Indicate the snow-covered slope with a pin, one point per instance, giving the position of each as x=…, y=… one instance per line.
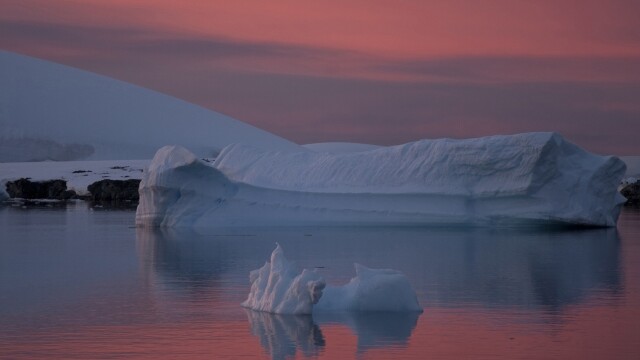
x=340, y=147
x=53, y=112
x=536, y=178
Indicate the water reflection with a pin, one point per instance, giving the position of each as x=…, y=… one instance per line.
x=283, y=335
x=375, y=329
x=187, y=260
x=541, y=272
x=447, y=267
x=75, y=284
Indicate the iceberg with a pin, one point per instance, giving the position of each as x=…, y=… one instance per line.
x=533, y=179
x=277, y=288
x=379, y=290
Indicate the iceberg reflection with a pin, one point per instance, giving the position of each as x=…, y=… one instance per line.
x=375, y=329
x=541, y=272
x=447, y=267
x=282, y=336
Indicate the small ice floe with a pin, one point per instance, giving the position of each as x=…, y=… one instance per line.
x=278, y=288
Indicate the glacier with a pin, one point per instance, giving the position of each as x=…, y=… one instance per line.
x=532, y=179
x=54, y=112
x=278, y=288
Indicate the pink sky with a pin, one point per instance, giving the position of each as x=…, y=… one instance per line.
x=367, y=71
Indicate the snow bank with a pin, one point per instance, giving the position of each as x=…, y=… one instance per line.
x=526, y=179
x=627, y=181
x=54, y=112
x=278, y=288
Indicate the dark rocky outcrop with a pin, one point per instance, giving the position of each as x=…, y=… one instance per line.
x=114, y=191
x=632, y=193
x=50, y=189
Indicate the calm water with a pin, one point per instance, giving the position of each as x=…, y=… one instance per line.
x=79, y=284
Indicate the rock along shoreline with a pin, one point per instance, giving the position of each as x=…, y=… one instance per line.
x=124, y=193
x=106, y=192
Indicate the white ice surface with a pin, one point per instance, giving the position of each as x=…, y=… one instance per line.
x=54, y=112
x=370, y=290
x=530, y=179
x=340, y=147
x=92, y=171
x=490, y=166
x=278, y=288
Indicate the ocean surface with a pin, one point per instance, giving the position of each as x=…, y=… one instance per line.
x=81, y=283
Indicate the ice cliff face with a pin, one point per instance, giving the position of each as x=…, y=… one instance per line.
x=526, y=179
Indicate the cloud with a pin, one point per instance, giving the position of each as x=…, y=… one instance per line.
x=34, y=33
x=312, y=94
x=314, y=109
x=164, y=46
x=518, y=69
x=205, y=51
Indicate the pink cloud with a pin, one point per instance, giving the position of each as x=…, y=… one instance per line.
x=363, y=70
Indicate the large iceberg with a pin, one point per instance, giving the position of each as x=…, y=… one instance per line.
x=278, y=288
x=525, y=179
